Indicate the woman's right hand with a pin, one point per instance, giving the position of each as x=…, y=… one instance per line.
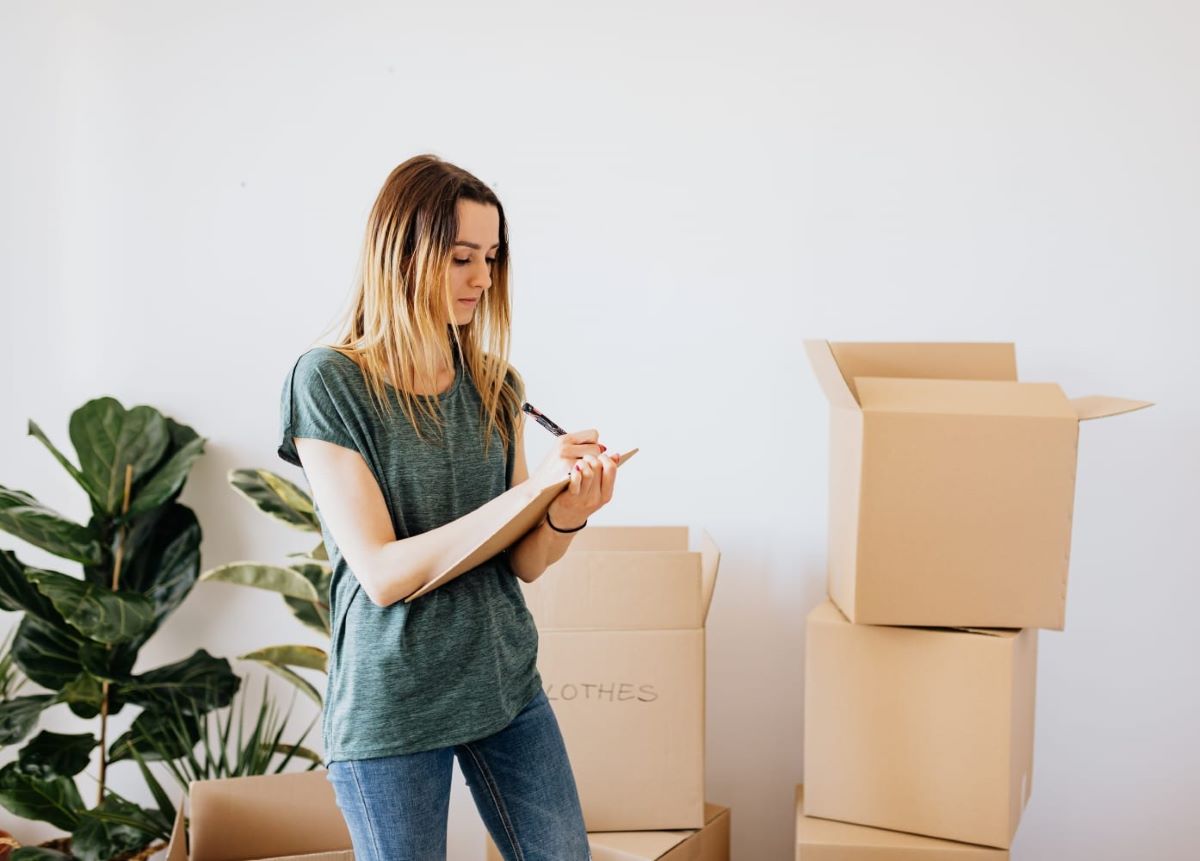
x=565, y=453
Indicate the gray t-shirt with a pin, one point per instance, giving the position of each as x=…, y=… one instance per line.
x=459, y=662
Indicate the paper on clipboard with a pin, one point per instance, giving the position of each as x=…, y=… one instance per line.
x=520, y=523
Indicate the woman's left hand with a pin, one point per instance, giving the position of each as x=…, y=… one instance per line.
x=591, y=488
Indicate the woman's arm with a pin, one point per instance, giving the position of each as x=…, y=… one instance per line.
x=542, y=546
x=391, y=569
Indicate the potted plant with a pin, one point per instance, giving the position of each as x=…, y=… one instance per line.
x=79, y=636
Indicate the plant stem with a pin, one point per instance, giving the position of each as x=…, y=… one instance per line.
x=116, y=582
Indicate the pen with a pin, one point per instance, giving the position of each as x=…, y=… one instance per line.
x=543, y=420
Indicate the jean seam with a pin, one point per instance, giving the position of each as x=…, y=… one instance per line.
x=365, y=812
x=501, y=811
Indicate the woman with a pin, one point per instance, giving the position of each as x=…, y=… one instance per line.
x=400, y=494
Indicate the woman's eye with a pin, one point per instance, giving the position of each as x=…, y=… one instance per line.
x=463, y=261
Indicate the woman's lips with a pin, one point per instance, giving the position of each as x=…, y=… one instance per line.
x=468, y=301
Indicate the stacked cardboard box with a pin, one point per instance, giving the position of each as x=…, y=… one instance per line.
x=950, y=505
x=622, y=656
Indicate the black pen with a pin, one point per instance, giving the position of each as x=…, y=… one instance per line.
x=543, y=420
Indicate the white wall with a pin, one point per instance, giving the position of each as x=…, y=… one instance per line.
x=692, y=188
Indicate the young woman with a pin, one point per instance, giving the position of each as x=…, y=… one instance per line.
x=409, y=432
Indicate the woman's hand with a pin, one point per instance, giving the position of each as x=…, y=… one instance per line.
x=591, y=487
x=561, y=460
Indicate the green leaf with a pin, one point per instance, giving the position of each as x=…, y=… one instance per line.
x=37, y=853
x=196, y=684
x=313, y=614
x=308, y=657
x=50, y=657
x=19, y=716
x=273, y=578
x=18, y=593
x=35, y=431
x=113, y=828
x=162, y=561
x=165, y=806
x=169, y=479
x=83, y=694
x=97, y=613
x=157, y=735
x=52, y=754
x=54, y=800
x=303, y=684
x=107, y=437
x=276, y=497
x=26, y=518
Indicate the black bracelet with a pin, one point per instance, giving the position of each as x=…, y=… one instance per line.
x=564, y=531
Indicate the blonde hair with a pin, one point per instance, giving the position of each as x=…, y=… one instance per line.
x=401, y=299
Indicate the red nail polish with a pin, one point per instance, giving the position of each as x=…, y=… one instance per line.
x=577, y=469
x=603, y=448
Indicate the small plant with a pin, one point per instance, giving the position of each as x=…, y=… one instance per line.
x=304, y=584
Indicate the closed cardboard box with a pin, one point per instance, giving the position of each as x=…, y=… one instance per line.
x=621, y=652
x=951, y=486
x=271, y=817
x=828, y=840
x=928, y=731
x=710, y=843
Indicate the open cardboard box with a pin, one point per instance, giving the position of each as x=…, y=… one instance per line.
x=710, y=843
x=271, y=817
x=925, y=730
x=621, y=653
x=951, y=485
x=828, y=840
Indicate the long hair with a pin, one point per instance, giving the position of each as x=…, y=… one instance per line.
x=401, y=299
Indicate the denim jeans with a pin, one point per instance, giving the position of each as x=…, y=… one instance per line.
x=396, y=807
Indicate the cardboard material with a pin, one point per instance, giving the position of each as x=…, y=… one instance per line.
x=828, y=840
x=272, y=817
x=621, y=652
x=710, y=843
x=923, y=730
x=951, y=485
x=485, y=546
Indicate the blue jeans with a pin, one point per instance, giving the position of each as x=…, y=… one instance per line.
x=396, y=807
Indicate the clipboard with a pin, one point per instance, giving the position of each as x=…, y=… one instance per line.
x=510, y=532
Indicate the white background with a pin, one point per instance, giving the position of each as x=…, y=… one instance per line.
x=692, y=188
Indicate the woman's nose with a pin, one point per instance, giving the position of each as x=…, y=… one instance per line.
x=481, y=276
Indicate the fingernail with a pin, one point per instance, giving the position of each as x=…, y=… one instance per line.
x=577, y=468
x=603, y=448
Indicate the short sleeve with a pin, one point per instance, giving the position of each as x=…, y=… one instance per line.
x=310, y=406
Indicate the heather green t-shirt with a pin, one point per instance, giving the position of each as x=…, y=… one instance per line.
x=459, y=662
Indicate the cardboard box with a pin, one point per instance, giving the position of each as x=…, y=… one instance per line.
x=710, y=843
x=621, y=652
x=272, y=817
x=928, y=731
x=828, y=840
x=951, y=485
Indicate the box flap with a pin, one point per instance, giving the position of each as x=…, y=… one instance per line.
x=266, y=816
x=812, y=831
x=631, y=538
x=1102, y=406
x=835, y=385
x=828, y=613
x=710, y=561
x=934, y=360
x=485, y=546
x=177, y=848
x=963, y=397
x=634, y=845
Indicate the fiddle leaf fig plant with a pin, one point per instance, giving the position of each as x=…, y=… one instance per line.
x=79, y=636
x=304, y=584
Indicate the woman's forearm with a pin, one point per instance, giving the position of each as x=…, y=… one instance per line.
x=405, y=565
x=538, y=549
